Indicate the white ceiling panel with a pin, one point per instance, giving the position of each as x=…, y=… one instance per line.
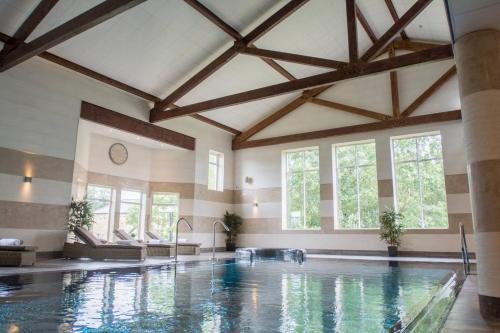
x=310, y=117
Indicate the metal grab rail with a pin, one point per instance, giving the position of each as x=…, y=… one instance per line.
x=465, y=251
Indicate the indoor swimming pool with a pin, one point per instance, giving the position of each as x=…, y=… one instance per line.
x=234, y=295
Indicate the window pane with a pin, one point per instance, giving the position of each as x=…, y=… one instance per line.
x=405, y=150
x=295, y=161
x=346, y=156
x=433, y=198
x=212, y=177
x=421, y=193
x=408, y=193
x=366, y=154
x=357, y=189
x=100, y=227
x=311, y=159
x=131, y=196
x=98, y=192
x=212, y=158
x=130, y=216
x=295, y=200
x=368, y=196
x=429, y=147
x=163, y=220
x=313, y=219
x=164, y=198
x=347, y=198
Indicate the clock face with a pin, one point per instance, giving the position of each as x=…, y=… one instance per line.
x=118, y=153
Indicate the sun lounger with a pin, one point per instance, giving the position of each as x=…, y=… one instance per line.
x=153, y=249
x=183, y=248
x=95, y=249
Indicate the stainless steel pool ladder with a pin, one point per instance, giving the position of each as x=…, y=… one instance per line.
x=213, y=244
x=177, y=234
x=465, y=251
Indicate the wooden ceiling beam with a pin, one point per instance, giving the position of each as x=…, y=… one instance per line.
x=27, y=27
x=112, y=82
x=352, y=35
x=208, y=14
x=349, y=72
x=273, y=21
x=133, y=125
x=429, y=91
x=230, y=53
x=216, y=124
x=291, y=57
x=376, y=126
x=393, y=77
x=85, y=21
x=414, y=45
x=293, y=105
x=364, y=23
x=349, y=109
x=200, y=8
x=395, y=29
x=395, y=16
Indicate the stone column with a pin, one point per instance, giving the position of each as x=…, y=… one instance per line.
x=477, y=56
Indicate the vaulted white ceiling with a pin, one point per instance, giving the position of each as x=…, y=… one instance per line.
x=159, y=44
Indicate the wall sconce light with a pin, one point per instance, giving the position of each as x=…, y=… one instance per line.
x=28, y=179
x=255, y=204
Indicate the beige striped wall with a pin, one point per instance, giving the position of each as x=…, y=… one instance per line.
x=36, y=212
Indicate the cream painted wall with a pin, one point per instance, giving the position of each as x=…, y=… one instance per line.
x=264, y=166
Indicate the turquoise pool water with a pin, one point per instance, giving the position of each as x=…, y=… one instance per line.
x=230, y=296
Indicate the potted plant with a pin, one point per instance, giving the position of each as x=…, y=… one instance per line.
x=233, y=222
x=391, y=230
x=80, y=215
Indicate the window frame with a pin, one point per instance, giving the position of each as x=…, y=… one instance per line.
x=336, y=187
x=394, y=176
x=219, y=171
x=177, y=204
x=284, y=190
x=112, y=198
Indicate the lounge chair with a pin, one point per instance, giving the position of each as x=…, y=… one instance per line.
x=93, y=248
x=154, y=249
x=17, y=255
x=183, y=248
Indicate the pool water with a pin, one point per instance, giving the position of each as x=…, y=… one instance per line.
x=230, y=296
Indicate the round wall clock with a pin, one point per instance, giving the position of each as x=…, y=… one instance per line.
x=118, y=153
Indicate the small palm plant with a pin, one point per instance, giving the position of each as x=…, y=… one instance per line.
x=233, y=221
x=80, y=215
x=391, y=230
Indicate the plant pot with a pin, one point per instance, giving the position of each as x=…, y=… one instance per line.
x=393, y=251
x=230, y=247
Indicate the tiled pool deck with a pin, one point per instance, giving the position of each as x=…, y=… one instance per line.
x=463, y=318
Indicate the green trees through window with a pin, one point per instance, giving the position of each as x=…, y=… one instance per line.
x=356, y=186
x=302, y=199
x=419, y=178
